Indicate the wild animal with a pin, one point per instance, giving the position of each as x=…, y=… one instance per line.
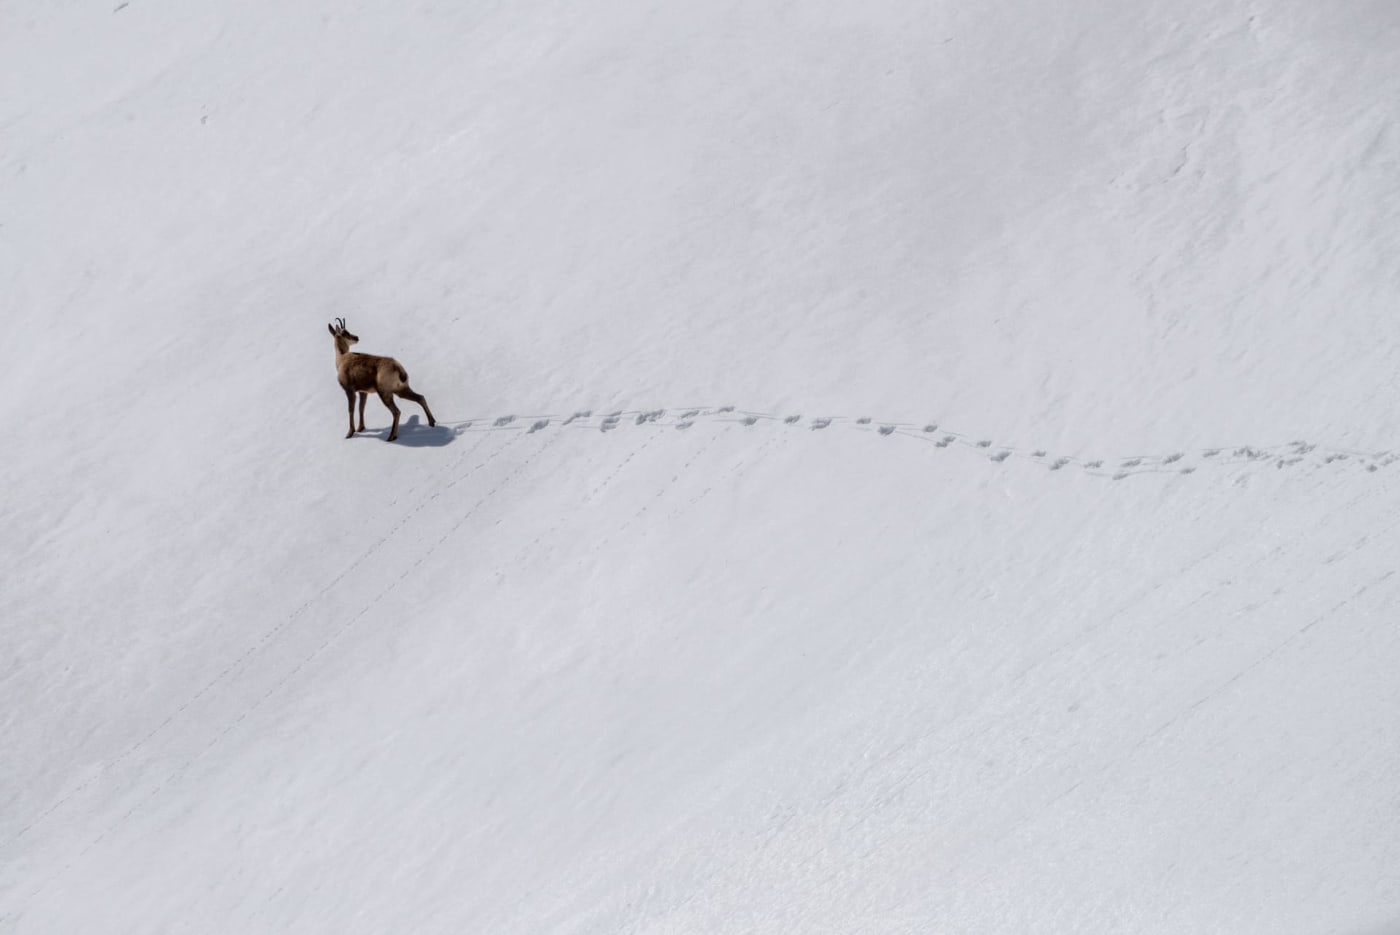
x=365, y=373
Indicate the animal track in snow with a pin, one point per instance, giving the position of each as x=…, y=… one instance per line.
x=1293, y=453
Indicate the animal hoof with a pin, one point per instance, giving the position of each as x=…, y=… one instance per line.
x=349, y=434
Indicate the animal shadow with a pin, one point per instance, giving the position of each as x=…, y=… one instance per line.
x=414, y=434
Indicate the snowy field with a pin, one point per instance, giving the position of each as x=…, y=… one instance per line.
x=902, y=467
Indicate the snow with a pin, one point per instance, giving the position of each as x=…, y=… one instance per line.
x=1128, y=666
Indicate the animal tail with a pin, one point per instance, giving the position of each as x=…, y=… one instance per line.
x=403, y=374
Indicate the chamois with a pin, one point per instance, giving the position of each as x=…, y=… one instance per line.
x=365, y=373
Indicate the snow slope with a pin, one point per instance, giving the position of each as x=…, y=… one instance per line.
x=1088, y=628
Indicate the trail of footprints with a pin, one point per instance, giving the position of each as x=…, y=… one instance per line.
x=1287, y=455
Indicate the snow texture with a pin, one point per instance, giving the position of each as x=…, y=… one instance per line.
x=902, y=467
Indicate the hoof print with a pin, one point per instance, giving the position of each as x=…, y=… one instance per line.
x=1059, y=463
x=1188, y=470
x=931, y=427
x=1172, y=458
x=863, y=420
x=1001, y=456
x=945, y=441
x=684, y=425
x=1211, y=453
x=887, y=430
x=725, y=409
x=1120, y=475
x=1038, y=453
x=645, y=417
x=749, y=420
x=985, y=443
x=538, y=424
x=690, y=414
x=792, y=420
x=820, y=423
x=504, y=420
x=1093, y=464
x=1132, y=462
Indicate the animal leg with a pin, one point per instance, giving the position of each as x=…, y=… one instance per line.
x=388, y=400
x=407, y=393
x=363, y=397
x=350, y=399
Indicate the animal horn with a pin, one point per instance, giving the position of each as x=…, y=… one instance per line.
x=341, y=323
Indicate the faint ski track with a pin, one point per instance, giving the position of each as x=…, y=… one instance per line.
x=661, y=491
x=709, y=443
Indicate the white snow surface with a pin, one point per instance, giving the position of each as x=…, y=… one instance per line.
x=1090, y=628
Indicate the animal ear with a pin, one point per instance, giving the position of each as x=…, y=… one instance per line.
x=331, y=330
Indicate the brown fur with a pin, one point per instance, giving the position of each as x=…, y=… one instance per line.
x=363, y=374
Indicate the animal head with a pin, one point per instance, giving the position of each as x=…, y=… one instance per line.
x=342, y=337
